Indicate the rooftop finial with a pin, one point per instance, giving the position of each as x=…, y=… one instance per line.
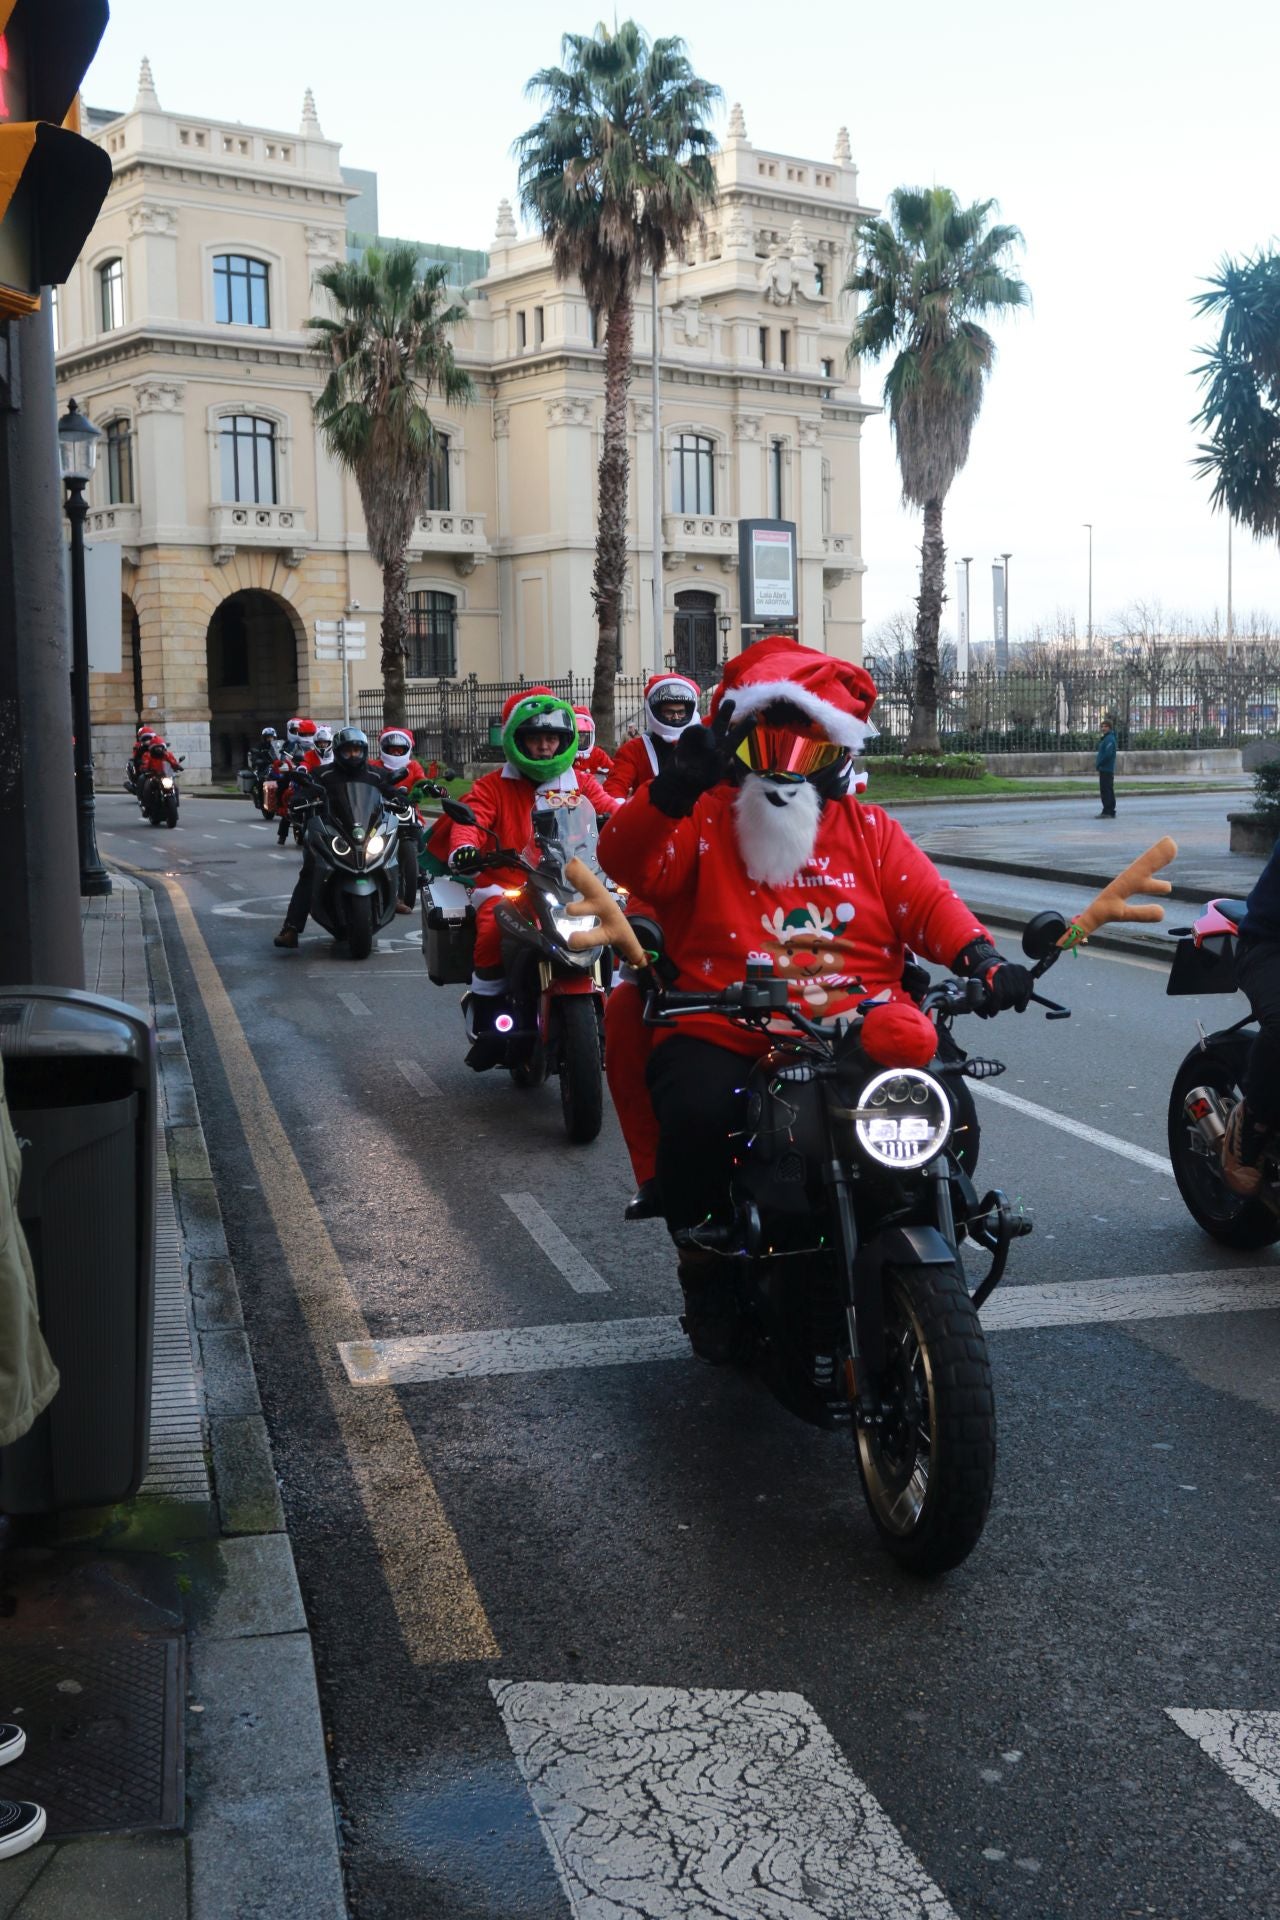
x=310, y=127
x=844, y=152
x=504, y=231
x=147, y=95
x=737, y=122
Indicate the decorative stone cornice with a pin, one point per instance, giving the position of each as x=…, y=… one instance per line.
x=160, y=396
x=568, y=412
x=150, y=218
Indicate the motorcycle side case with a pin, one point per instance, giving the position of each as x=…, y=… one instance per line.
x=448, y=931
x=1207, y=968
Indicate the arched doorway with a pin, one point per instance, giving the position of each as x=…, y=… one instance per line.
x=253, y=675
x=696, y=637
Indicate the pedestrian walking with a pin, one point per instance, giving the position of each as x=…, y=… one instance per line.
x=28, y=1382
x=1105, y=762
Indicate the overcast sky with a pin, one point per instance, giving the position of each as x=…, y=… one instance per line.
x=1133, y=142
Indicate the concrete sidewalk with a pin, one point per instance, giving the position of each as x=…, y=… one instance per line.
x=200, y=1561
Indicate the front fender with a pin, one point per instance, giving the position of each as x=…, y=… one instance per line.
x=920, y=1246
x=357, y=883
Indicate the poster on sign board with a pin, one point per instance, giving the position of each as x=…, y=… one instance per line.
x=767, y=570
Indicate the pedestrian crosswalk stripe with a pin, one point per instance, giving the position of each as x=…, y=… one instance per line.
x=1245, y=1745
x=679, y=1804
x=415, y=1359
x=559, y=1249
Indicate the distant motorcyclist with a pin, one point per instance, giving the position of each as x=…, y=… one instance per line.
x=590, y=758
x=349, y=761
x=540, y=741
x=141, y=740
x=670, y=709
x=300, y=738
x=157, y=757
x=395, y=753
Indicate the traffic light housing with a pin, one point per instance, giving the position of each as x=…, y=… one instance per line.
x=52, y=181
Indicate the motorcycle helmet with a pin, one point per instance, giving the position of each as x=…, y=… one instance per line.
x=145, y=729
x=395, y=749
x=670, y=705
x=586, y=731
x=269, y=736
x=538, y=711
x=350, y=749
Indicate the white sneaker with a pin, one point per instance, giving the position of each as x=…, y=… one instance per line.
x=21, y=1826
x=12, y=1742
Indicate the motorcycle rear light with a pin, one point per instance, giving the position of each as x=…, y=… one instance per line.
x=1198, y=1107
x=504, y=1023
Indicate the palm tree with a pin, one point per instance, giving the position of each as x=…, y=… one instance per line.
x=385, y=351
x=1241, y=377
x=617, y=172
x=928, y=271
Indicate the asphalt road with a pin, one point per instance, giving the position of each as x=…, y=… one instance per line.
x=666, y=1583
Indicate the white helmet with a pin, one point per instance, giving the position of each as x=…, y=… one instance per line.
x=395, y=748
x=670, y=690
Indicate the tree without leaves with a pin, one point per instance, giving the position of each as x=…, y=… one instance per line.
x=1241, y=378
x=385, y=352
x=617, y=172
x=929, y=271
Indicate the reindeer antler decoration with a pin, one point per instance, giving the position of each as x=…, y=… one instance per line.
x=615, y=930
x=1112, y=904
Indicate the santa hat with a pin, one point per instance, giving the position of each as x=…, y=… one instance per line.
x=836, y=695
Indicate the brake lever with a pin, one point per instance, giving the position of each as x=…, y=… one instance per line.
x=1055, y=1012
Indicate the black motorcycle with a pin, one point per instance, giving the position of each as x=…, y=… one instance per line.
x=158, y=798
x=1207, y=1087
x=353, y=831
x=555, y=991
x=852, y=1195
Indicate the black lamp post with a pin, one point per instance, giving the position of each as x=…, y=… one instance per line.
x=725, y=624
x=78, y=454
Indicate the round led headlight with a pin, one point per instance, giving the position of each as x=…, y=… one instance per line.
x=375, y=846
x=902, y=1118
x=340, y=847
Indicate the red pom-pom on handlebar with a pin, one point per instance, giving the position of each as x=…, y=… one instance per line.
x=896, y=1034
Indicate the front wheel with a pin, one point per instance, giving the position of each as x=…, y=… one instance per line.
x=360, y=925
x=1197, y=1167
x=929, y=1468
x=581, y=1075
x=171, y=810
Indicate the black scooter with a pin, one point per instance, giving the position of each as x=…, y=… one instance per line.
x=352, y=829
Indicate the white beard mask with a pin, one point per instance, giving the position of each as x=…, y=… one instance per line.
x=777, y=827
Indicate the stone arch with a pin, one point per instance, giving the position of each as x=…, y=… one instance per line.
x=254, y=645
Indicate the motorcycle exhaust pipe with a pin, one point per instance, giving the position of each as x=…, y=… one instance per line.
x=1203, y=1108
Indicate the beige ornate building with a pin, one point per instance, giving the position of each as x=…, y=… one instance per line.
x=182, y=335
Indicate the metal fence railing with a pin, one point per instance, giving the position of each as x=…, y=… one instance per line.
x=454, y=721
x=1165, y=703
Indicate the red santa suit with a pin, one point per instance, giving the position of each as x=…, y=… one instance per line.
x=411, y=776
x=594, y=760
x=634, y=765
x=504, y=802
x=157, y=758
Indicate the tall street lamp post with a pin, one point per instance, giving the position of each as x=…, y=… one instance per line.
x=1088, y=526
x=78, y=455
x=725, y=624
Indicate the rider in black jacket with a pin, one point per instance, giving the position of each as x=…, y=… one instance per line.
x=1257, y=1116
x=350, y=762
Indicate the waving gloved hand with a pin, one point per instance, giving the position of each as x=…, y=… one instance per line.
x=697, y=765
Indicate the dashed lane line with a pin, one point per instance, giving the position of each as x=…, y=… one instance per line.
x=560, y=1250
x=440, y=1613
x=1079, y=1129
x=419, y=1080
x=700, y=1803
x=417, y=1359
x=354, y=1004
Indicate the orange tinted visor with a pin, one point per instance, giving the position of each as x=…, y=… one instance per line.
x=786, y=754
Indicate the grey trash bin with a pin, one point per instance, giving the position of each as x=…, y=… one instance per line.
x=80, y=1078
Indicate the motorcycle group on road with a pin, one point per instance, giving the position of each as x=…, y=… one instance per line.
x=715, y=923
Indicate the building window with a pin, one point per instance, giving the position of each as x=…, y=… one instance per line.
x=784, y=347
x=433, y=636
x=595, y=326
x=828, y=369
x=821, y=277
x=693, y=487
x=119, y=462
x=539, y=327
x=438, y=476
x=111, y=294
x=764, y=346
x=249, y=460
x=777, y=457
x=522, y=331
x=241, y=292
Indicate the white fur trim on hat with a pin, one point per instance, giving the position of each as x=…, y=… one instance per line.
x=754, y=695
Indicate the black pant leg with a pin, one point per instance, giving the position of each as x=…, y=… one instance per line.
x=1258, y=971
x=300, y=899
x=1107, y=791
x=696, y=1090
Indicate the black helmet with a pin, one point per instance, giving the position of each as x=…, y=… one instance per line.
x=351, y=749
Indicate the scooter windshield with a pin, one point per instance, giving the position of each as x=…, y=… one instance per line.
x=355, y=803
x=564, y=829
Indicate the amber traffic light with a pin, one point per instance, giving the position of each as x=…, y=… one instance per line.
x=52, y=182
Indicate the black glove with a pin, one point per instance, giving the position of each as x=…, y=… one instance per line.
x=696, y=765
x=464, y=860
x=1008, y=984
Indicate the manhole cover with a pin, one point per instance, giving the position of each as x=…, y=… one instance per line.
x=104, y=1732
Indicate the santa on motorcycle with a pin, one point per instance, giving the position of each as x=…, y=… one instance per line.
x=751, y=847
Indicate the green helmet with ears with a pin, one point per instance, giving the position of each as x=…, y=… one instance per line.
x=539, y=712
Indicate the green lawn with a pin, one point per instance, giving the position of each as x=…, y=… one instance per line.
x=908, y=786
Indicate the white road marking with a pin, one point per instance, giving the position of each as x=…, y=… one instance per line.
x=417, y=1359
x=236, y=886
x=246, y=845
x=1092, y=1136
x=419, y=1080
x=561, y=1252
x=208, y=836
x=678, y=1803
x=1245, y=1745
x=354, y=1004
x=224, y=822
